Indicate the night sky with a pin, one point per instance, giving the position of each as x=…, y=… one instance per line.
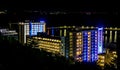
x=106, y=12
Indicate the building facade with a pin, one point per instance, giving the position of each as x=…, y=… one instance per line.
x=84, y=45
x=30, y=29
x=49, y=44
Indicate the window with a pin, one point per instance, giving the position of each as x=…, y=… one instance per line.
x=89, y=33
x=70, y=33
x=77, y=34
x=77, y=53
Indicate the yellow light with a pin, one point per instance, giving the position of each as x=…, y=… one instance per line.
x=73, y=26
x=77, y=34
x=114, y=52
x=110, y=27
x=69, y=26
x=65, y=26
x=88, y=38
x=87, y=27
x=80, y=42
x=80, y=39
x=92, y=27
x=82, y=26
x=106, y=28
x=77, y=58
x=101, y=64
x=115, y=27
x=70, y=33
x=89, y=33
x=77, y=53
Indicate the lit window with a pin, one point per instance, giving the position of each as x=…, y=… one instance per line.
x=77, y=45
x=77, y=53
x=95, y=31
x=77, y=58
x=80, y=33
x=88, y=38
x=89, y=33
x=70, y=34
x=89, y=42
x=80, y=42
x=71, y=49
x=77, y=40
x=70, y=45
x=77, y=34
x=80, y=39
x=71, y=54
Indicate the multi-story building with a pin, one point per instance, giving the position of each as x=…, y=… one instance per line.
x=49, y=44
x=84, y=45
x=30, y=29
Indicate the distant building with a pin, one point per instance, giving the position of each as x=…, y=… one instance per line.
x=9, y=33
x=30, y=29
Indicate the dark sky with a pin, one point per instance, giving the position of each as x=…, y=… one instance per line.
x=76, y=5
x=65, y=5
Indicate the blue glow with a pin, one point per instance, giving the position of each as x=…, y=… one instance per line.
x=34, y=28
x=100, y=40
x=41, y=28
x=52, y=31
x=42, y=21
x=85, y=46
x=30, y=29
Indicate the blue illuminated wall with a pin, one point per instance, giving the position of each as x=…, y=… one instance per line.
x=100, y=40
x=34, y=28
x=85, y=45
x=30, y=29
x=94, y=45
x=93, y=54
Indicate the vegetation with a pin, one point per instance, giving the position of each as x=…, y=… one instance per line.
x=13, y=55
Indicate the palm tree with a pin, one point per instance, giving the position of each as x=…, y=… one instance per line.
x=110, y=58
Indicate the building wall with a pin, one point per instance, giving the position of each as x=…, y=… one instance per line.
x=30, y=29
x=84, y=45
x=50, y=45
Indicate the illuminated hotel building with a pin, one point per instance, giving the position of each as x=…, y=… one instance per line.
x=30, y=29
x=49, y=44
x=84, y=45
